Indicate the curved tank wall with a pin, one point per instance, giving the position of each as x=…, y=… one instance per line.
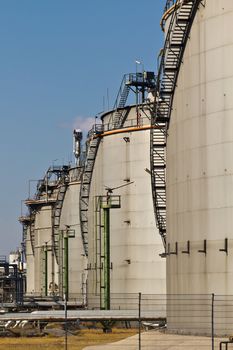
x=199, y=159
x=77, y=259
x=44, y=267
x=43, y=239
x=135, y=243
x=30, y=259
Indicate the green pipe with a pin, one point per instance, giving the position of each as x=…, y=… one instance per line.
x=66, y=266
x=46, y=270
x=106, y=258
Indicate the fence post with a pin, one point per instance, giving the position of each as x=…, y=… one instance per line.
x=66, y=326
x=139, y=320
x=212, y=320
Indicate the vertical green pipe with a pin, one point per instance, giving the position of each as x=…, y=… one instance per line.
x=106, y=258
x=66, y=266
x=61, y=265
x=96, y=245
x=46, y=270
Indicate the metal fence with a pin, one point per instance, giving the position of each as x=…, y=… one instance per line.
x=176, y=321
x=163, y=321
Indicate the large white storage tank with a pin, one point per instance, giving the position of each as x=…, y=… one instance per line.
x=43, y=238
x=76, y=258
x=42, y=269
x=135, y=244
x=53, y=267
x=27, y=253
x=199, y=160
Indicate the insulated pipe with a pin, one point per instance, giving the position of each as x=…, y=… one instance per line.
x=123, y=130
x=169, y=12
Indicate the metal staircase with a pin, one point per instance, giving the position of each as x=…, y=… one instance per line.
x=158, y=172
x=56, y=215
x=24, y=241
x=123, y=93
x=177, y=36
x=25, y=220
x=92, y=148
x=32, y=232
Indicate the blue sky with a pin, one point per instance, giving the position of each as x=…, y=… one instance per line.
x=58, y=59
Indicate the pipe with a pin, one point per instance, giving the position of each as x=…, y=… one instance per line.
x=168, y=12
x=106, y=258
x=123, y=130
x=166, y=15
x=66, y=265
x=46, y=270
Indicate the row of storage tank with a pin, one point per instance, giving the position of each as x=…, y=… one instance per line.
x=199, y=180
x=121, y=161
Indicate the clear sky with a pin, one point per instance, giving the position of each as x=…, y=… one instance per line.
x=58, y=60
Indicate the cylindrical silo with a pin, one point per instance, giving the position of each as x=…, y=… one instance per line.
x=27, y=252
x=42, y=233
x=76, y=258
x=44, y=258
x=199, y=161
x=121, y=176
x=56, y=262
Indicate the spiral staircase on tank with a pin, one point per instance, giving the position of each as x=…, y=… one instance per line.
x=32, y=232
x=92, y=146
x=181, y=20
x=56, y=215
x=93, y=140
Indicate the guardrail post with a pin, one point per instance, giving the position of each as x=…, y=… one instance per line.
x=139, y=320
x=66, y=326
x=212, y=320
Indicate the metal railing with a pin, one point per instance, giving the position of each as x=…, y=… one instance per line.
x=169, y=4
x=98, y=129
x=127, y=124
x=170, y=61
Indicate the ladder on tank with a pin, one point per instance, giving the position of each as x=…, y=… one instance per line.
x=177, y=35
x=92, y=148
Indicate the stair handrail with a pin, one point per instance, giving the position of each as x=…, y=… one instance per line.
x=120, y=91
x=93, y=134
x=158, y=98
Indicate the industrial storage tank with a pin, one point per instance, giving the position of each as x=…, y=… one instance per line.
x=42, y=267
x=56, y=263
x=120, y=183
x=199, y=173
x=28, y=259
x=70, y=224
